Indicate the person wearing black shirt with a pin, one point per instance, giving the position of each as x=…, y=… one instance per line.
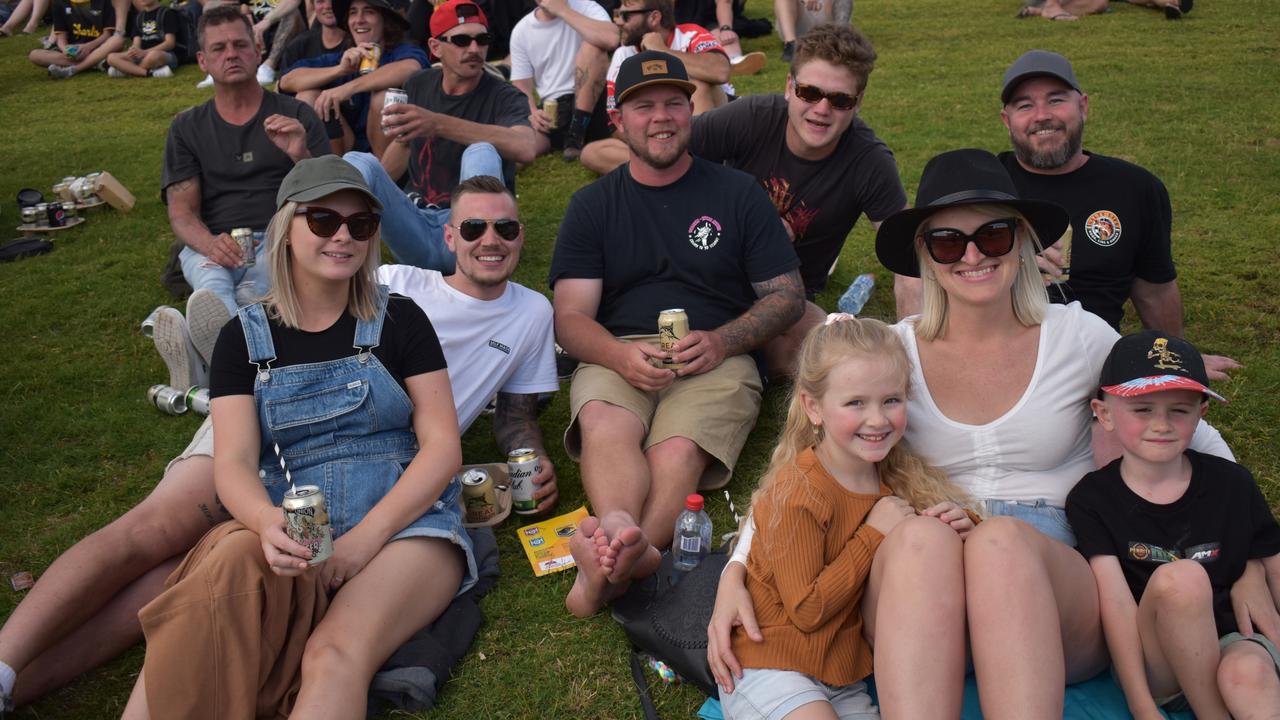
x=84, y=31
x=325, y=36
x=155, y=41
x=666, y=230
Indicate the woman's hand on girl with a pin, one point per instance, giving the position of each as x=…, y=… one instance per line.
x=733, y=608
x=351, y=553
x=888, y=512
x=953, y=515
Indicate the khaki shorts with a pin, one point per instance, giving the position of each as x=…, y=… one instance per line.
x=201, y=444
x=716, y=410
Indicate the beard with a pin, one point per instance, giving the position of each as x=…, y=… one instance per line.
x=1049, y=158
x=640, y=149
x=632, y=35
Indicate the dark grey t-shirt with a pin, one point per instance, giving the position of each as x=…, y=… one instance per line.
x=434, y=164
x=240, y=169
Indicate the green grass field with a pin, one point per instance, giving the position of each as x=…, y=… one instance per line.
x=1189, y=100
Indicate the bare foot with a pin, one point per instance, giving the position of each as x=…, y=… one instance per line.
x=1052, y=10
x=591, y=586
x=630, y=552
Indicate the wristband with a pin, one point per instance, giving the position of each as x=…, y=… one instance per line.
x=727, y=27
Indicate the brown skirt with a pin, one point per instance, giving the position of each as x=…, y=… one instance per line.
x=225, y=640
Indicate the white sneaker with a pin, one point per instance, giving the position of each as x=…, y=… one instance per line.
x=164, y=71
x=266, y=74
x=207, y=82
x=206, y=314
x=173, y=342
x=115, y=73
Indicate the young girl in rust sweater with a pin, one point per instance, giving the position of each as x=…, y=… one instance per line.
x=837, y=483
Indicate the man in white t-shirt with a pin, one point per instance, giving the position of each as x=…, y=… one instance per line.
x=651, y=25
x=497, y=339
x=562, y=48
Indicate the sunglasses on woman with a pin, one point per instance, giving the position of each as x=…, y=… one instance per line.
x=472, y=229
x=948, y=245
x=813, y=95
x=325, y=222
x=463, y=40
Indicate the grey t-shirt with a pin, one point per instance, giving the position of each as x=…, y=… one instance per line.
x=240, y=169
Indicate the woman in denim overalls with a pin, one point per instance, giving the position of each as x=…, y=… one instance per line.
x=384, y=458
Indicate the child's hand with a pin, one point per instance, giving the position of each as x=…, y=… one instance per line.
x=888, y=512
x=953, y=515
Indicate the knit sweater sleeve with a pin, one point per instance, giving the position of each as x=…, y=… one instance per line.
x=812, y=590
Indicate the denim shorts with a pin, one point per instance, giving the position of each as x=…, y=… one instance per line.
x=764, y=694
x=1039, y=514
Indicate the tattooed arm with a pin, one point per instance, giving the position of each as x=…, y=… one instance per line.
x=184, y=217
x=779, y=304
x=515, y=423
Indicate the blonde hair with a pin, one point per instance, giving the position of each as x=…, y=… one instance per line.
x=826, y=346
x=281, y=302
x=1030, y=301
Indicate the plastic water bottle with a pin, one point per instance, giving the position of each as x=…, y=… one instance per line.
x=857, y=295
x=692, y=540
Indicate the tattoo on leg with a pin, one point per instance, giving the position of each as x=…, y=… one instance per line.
x=579, y=79
x=208, y=515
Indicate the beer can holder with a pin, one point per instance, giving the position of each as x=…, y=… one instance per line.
x=501, y=491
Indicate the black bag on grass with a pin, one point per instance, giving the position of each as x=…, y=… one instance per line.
x=669, y=622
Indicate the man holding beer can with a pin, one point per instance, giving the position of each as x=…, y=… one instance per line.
x=682, y=234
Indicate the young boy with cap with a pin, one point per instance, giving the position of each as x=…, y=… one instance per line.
x=1167, y=531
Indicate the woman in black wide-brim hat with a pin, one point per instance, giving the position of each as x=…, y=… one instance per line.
x=1000, y=401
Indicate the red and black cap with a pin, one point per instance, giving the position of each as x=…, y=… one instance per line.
x=1151, y=361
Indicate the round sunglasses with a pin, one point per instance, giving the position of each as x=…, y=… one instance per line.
x=473, y=229
x=993, y=239
x=325, y=222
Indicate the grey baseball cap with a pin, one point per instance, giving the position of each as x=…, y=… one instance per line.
x=314, y=178
x=1035, y=63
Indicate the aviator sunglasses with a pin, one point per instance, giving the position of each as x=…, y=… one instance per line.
x=472, y=229
x=325, y=222
x=626, y=15
x=463, y=40
x=993, y=239
x=813, y=95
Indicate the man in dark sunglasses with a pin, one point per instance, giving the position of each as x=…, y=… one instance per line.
x=460, y=122
x=668, y=230
x=820, y=164
x=1121, y=218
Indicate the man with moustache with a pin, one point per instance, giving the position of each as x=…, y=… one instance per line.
x=225, y=159
x=665, y=230
x=819, y=163
x=460, y=122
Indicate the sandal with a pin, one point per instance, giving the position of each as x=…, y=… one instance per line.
x=1028, y=11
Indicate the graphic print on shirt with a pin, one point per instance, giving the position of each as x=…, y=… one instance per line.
x=704, y=233
x=794, y=212
x=1103, y=228
x=1146, y=552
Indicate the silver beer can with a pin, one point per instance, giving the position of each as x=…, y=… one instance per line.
x=307, y=521
x=167, y=399
x=244, y=238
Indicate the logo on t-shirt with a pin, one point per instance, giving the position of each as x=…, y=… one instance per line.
x=704, y=233
x=1205, y=553
x=1103, y=228
x=499, y=346
x=245, y=157
x=1143, y=551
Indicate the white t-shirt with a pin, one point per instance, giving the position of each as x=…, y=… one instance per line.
x=504, y=345
x=1041, y=447
x=545, y=51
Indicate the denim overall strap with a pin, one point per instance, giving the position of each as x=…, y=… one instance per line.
x=369, y=333
x=257, y=335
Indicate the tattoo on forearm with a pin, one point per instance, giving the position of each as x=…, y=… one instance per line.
x=780, y=305
x=179, y=187
x=579, y=79
x=515, y=422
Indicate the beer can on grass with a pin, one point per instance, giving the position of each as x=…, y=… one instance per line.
x=673, y=326
x=369, y=63
x=551, y=106
x=167, y=399
x=479, y=498
x=307, y=521
x=30, y=216
x=42, y=214
x=522, y=465
x=244, y=238
x=197, y=399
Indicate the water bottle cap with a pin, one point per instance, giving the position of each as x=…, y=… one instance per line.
x=693, y=502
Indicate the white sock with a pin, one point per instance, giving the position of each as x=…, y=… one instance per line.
x=7, y=678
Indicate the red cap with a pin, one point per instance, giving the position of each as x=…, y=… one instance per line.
x=454, y=13
x=693, y=502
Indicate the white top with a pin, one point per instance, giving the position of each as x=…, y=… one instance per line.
x=545, y=51
x=1041, y=447
x=504, y=345
x=685, y=38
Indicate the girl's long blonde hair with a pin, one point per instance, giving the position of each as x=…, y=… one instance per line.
x=826, y=346
x=281, y=301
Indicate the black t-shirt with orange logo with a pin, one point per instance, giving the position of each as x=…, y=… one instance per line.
x=1121, y=222
x=83, y=21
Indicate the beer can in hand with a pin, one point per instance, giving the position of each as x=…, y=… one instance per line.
x=673, y=326
x=369, y=62
x=523, y=465
x=551, y=106
x=306, y=521
x=244, y=238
